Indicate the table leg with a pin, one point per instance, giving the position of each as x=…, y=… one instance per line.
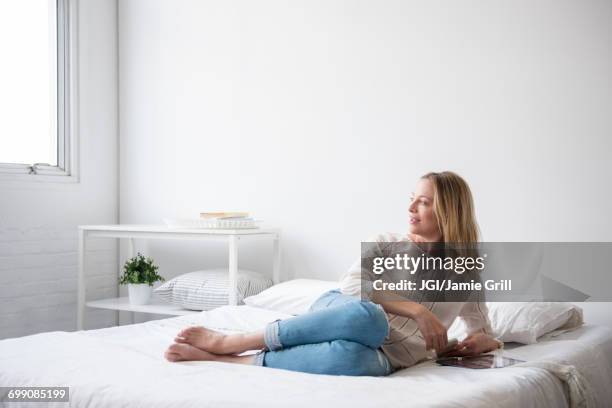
x=119, y=271
x=130, y=255
x=233, y=269
x=276, y=259
x=81, y=279
x=130, y=248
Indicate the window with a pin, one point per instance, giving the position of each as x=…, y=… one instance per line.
x=37, y=83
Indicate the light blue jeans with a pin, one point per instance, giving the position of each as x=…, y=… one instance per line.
x=340, y=335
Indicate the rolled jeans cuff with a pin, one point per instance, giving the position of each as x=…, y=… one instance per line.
x=271, y=336
x=259, y=358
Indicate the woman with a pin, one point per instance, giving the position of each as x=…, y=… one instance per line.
x=345, y=335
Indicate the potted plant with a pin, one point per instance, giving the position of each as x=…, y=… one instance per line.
x=140, y=274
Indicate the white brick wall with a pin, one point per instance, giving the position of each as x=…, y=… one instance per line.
x=38, y=271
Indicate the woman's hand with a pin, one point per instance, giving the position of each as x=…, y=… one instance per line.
x=433, y=331
x=473, y=345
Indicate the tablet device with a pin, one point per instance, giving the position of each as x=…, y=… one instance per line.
x=478, y=362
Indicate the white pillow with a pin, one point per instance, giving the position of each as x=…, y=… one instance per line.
x=293, y=297
x=524, y=322
x=208, y=289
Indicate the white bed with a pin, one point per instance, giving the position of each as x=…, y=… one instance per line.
x=124, y=367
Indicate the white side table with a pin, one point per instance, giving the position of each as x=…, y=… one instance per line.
x=131, y=232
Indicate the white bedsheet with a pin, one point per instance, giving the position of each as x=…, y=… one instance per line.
x=124, y=367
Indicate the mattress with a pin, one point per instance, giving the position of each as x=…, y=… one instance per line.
x=124, y=367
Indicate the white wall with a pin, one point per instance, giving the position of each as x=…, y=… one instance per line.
x=38, y=221
x=319, y=116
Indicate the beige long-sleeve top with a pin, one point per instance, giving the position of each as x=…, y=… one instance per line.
x=404, y=346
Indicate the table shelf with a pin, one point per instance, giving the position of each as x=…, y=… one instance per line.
x=156, y=306
x=131, y=232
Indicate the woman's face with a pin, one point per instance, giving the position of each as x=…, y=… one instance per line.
x=421, y=217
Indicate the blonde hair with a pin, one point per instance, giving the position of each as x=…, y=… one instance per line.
x=454, y=208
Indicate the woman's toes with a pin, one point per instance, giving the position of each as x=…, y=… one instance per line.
x=186, y=332
x=180, y=339
x=171, y=356
x=175, y=348
x=186, y=352
x=175, y=352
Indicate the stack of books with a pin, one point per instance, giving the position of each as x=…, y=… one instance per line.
x=225, y=215
x=226, y=220
x=216, y=220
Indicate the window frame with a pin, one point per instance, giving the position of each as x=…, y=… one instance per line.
x=66, y=108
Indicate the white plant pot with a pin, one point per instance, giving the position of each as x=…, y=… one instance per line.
x=140, y=293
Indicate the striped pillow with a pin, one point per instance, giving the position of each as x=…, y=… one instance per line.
x=208, y=289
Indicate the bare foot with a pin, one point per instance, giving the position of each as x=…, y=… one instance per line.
x=219, y=343
x=186, y=352
x=205, y=339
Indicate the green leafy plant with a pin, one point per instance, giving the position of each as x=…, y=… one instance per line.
x=140, y=270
